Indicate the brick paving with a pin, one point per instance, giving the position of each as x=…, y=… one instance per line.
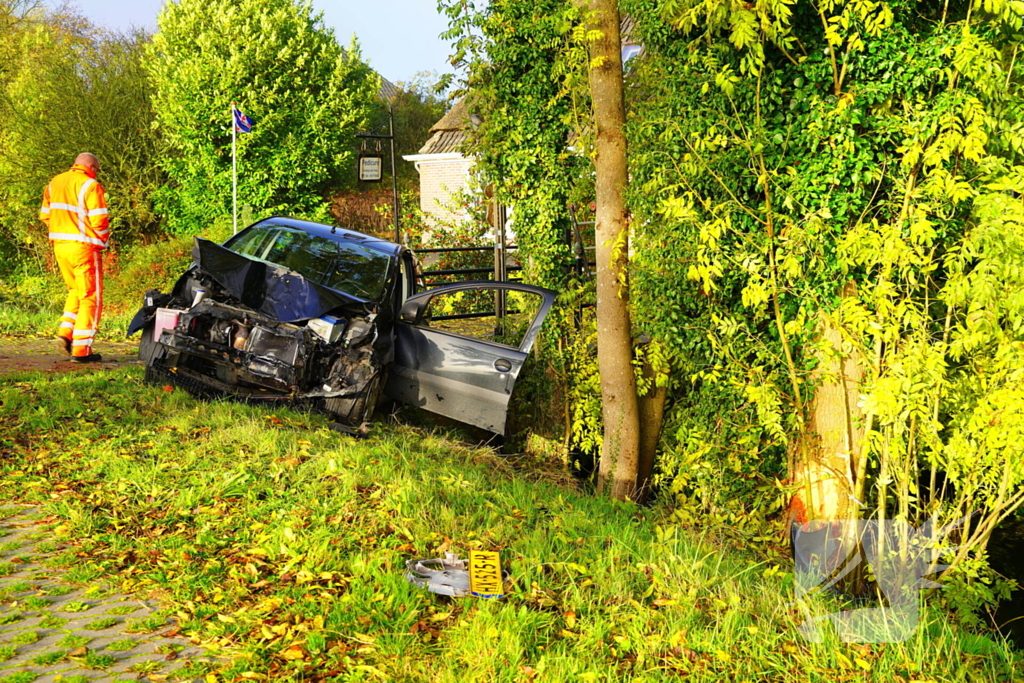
x=52, y=630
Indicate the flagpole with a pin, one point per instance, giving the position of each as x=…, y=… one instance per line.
x=234, y=173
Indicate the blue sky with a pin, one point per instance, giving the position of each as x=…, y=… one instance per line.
x=398, y=37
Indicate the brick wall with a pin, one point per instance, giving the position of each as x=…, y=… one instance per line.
x=438, y=180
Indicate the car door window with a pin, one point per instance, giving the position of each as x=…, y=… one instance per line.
x=471, y=313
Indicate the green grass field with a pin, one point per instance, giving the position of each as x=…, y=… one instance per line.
x=282, y=545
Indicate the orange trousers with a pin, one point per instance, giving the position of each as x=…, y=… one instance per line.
x=81, y=266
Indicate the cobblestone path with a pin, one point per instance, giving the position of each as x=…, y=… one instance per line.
x=54, y=630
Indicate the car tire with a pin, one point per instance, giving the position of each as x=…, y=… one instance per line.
x=147, y=345
x=357, y=410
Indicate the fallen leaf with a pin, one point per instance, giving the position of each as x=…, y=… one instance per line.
x=294, y=652
x=168, y=388
x=79, y=652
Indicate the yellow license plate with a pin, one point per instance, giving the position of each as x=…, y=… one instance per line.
x=485, y=579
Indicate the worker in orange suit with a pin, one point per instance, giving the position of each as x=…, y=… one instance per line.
x=75, y=211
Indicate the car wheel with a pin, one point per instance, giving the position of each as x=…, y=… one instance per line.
x=357, y=409
x=147, y=345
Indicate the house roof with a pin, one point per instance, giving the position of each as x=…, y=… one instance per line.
x=387, y=90
x=449, y=134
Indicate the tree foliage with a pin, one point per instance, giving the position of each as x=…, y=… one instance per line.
x=306, y=94
x=848, y=167
x=827, y=219
x=70, y=88
x=417, y=107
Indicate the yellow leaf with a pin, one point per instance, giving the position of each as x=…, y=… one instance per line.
x=294, y=652
x=665, y=602
x=864, y=664
x=226, y=619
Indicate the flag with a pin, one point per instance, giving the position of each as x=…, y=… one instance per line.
x=242, y=122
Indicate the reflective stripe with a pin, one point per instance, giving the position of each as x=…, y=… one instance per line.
x=88, y=332
x=67, y=207
x=81, y=204
x=98, y=212
x=66, y=324
x=69, y=314
x=98, y=262
x=76, y=238
x=44, y=209
x=82, y=342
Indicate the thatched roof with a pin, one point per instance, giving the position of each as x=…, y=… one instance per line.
x=449, y=134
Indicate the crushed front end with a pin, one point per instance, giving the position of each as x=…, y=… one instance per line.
x=255, y=331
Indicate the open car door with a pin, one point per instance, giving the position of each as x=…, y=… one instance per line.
x=455, y=357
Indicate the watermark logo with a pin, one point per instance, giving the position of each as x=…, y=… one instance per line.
x=890, y=556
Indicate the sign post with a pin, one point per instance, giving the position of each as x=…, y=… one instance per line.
x=369, y=166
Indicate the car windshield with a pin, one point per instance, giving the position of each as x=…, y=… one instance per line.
x=344, y=266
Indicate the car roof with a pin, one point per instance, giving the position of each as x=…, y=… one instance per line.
x=335, y=233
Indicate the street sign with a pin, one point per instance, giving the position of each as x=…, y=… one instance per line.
x=371, y=168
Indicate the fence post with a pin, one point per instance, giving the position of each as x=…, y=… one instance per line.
x=500, y=272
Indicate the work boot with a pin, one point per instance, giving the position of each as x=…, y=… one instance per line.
x=64, y=345
x=91, y=358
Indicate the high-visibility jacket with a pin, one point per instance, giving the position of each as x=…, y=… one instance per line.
x=74, y=208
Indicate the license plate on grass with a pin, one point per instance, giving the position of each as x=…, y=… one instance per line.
x=485, y=577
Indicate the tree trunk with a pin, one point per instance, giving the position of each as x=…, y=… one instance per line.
x=617, y=473
x=825, y=476
x=652, y=414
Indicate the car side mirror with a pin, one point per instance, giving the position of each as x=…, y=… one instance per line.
x=412, y=311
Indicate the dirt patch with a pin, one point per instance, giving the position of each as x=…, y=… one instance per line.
x=32, y=354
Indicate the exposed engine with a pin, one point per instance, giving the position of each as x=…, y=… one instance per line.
x=216, y=344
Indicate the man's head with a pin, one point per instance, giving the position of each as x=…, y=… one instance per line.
x=88, y=160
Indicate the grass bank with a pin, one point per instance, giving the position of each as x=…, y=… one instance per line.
x=32, y=292
x=283, y=544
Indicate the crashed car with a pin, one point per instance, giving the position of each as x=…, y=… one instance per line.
x=295, y=311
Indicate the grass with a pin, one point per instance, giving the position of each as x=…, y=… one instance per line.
x=122, y=610
x=25, y=638
x=36, y=602
x=101, y=624
x=121, y=645
x=282, y=545
x=48, y=658
x=75, y=606
x=53, y=621
x=73, y=642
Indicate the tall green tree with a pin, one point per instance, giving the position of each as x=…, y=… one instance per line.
x=284, y=68
x=620, y=448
